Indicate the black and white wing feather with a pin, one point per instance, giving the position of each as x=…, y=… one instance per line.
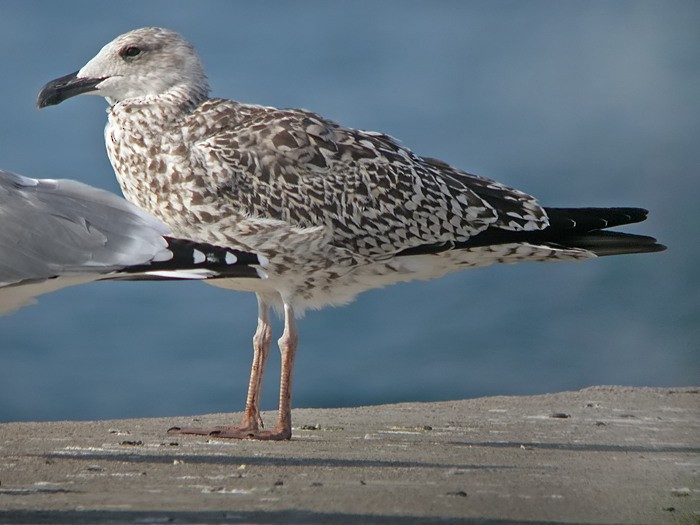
x=56, y=233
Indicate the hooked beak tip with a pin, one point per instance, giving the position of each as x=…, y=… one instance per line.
x=65, y=87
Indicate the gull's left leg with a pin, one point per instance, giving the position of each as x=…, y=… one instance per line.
x=288, y=348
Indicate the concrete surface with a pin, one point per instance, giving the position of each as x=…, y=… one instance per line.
x=599, y=455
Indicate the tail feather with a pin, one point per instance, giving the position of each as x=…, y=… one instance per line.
x=604, y=243
x=583, y=228
x=584, y=220
x=580, y=228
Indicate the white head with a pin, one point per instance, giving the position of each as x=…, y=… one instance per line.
x=141, y=63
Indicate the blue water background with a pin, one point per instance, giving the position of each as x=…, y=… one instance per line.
x=579, y=103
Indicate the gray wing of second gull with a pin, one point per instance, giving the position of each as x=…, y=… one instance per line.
x=59, y=233
x=50, y=227
x=377, y=196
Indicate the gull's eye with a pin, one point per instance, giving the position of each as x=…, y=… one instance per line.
x=129, y=52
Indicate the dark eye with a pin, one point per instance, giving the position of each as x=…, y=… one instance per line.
x=130, y=52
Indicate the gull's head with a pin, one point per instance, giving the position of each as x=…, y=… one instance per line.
x=145, y=62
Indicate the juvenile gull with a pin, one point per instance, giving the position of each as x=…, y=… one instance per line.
x=335, y=210
x=58, y=233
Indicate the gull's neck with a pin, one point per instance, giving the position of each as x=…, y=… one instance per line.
x=184, y=97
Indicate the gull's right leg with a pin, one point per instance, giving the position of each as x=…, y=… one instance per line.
x=251, y=424
x=261, y=348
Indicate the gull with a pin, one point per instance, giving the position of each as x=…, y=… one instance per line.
x=57, y=233
x=335, y=211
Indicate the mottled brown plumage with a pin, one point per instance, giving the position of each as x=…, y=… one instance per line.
x=335, y=210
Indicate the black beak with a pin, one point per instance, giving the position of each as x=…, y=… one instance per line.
x=65, y=87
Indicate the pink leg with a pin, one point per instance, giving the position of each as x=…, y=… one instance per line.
x=261, y=348
x=288, y=348
x=251, y=425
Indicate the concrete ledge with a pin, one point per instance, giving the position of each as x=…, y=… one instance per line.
x=599, y=455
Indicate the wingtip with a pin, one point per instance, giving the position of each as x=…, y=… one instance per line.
x=605, y=243
x=658, y=247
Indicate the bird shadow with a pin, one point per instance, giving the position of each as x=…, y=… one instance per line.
x=287, y=517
